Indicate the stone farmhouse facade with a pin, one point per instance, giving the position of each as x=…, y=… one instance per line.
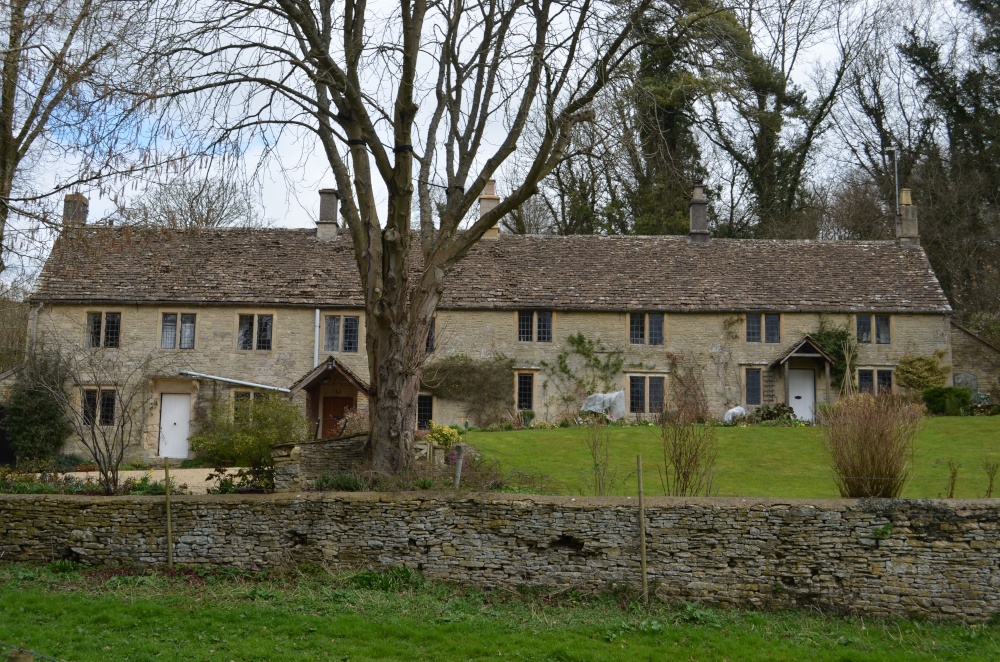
x=224, y=313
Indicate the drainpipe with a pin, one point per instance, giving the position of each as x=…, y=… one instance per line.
x=316, y=341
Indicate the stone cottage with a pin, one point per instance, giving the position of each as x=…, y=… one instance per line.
x=227, y=313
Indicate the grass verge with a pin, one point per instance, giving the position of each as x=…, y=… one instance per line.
x=70, y=612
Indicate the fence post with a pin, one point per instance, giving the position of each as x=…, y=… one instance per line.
x=459, y=458
x=170, y=537
x=642, y=533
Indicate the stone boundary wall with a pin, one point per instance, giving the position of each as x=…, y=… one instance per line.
x=937, y=558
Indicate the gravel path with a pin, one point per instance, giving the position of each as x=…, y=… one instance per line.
x=195, y=478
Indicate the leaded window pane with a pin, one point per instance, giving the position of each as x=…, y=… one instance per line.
x=168, y=334
x=864, y=329
x=772, y=328
x=429, y=345
x=93, y=329
x=265, y=327
x=524, y=325
x=525, y=391
x=244, y=333
x=866, y=381
x=656, y=394
x=187, y=330
x=753, y=327
x=351, y=325
x=882, y=329
x=656, y=328
x=112, y=329
x=544, y=318
x=331, y=339
x=884, y=381
x=89, y=406
x=425, y=411
x=753, y=387
x=637, y=328
x=637, y=394
x=108, y=407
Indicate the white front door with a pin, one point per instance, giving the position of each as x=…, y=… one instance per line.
x=802, y=393
x=175, y=419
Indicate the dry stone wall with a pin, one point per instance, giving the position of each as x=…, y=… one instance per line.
x=938, y=558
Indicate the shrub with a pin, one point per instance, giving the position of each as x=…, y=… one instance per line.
x=689, y=452
x=36, y=421
x=921, y=372
x=483, y=385
x=341, y=482
x=527, y=416
x=947, y=400
x=773, y=412
x=443, y=435
x=870, y=442
x=245, y=437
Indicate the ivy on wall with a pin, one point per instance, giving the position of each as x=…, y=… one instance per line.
x=838, y=342
x=484, y=386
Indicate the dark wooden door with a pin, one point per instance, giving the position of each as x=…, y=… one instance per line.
x=333, y=415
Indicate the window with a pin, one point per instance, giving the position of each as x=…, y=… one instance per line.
x=753, y=327
x=242, y=399
x=753, y=390
x=772, y=328
x=870, y=380
x=882, y=326
x=169, y=329
x=429, y=345
x=645, y=394
x=425, y=411
x=534, y=326
x=637, y=328
x=645, y=327
x=110, y=324
x=525, y=390
x=332, y=341
x=99, y=406
x=260, y=327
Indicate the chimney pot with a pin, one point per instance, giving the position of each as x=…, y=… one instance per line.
x=75, y=207
x=699, y=233
x=488, y=201
x=905, y=198
x=326, y=225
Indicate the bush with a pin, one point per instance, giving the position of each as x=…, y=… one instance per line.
x=483, y=385
x=689, y=452
x=36, y=422
x=341, y=482
x=870, y=442
x=947, y=400
x=921, y=372
x=443, y=435
x=779, y=411
x=244, y=437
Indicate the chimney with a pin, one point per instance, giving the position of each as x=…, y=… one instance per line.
x=908, y=231
x=487, y=202
x=699, y=233
x=75, y=207
x=326, y=226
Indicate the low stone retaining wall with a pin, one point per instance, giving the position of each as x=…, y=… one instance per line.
x=939, y=558
x=298, y=465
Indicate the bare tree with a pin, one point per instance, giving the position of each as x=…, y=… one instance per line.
x=187, y=202
x=73, y=98
x=427, y=100
x=13, y=324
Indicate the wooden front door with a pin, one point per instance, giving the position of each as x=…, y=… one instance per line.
x=333, y=415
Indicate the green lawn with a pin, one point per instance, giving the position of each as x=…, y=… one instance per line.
x=73, y=614
x=754, y=461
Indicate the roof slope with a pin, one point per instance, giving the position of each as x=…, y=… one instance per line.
x=290, y=267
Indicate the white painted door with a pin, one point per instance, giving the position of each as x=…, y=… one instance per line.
x=802, y=393
x=175, y=419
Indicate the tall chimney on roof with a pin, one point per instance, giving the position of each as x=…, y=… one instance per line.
x=699, y=233
x=326, y=225
x=909, y=233
x=487, y=203
x=75, y=206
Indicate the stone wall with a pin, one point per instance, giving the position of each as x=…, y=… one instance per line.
x=938, y=558
x=298, y=465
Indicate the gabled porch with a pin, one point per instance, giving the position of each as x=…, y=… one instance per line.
x=331, y=390
x=805, y=373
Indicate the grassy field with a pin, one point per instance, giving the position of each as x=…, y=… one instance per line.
x=754, y=461
x=69, y=613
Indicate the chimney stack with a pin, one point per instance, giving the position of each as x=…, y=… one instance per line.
x=487, y=203
x=75, y=206
x=909, y=232
x=326, y=225
x=699, y=233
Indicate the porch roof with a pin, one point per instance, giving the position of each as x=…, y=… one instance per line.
x=807, y=348
x=324, y=370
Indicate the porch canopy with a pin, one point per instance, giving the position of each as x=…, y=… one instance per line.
x=800, y=387
x=331, y=390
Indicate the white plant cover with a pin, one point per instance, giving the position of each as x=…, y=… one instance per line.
x=733, y=413
x=611, y=405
